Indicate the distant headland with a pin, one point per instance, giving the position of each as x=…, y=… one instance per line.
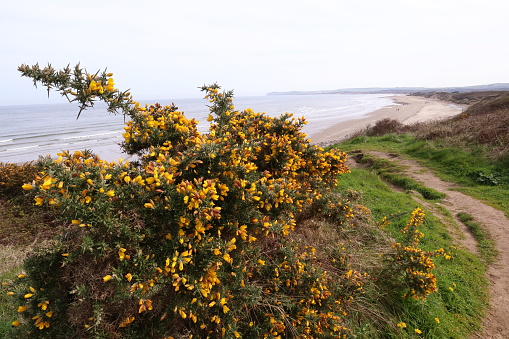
x=401, y=90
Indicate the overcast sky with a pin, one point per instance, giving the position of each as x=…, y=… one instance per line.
x=166, y=49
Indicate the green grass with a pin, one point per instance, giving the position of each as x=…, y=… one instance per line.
x=485, y=242
x=462, y=285
x=7, y=310
x=497, y=197
x=21, y=226
x=479, y=175
x=10, y=268
x=390, y=172
x=482, y=178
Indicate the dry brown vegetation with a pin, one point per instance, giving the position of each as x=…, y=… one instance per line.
x=21, y=224
x=466, y=98
x=484, y=123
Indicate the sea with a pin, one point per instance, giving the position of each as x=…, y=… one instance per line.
x=30, y=131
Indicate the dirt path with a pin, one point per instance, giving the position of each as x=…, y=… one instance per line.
x=496, y=324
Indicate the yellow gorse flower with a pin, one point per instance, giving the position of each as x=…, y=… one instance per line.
x=110, y=87
x=43, y=305
x=127, y=321
x=121, y=254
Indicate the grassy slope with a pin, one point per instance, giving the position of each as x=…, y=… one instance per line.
x=461, y=297
x=480, y=177
x=470, y=150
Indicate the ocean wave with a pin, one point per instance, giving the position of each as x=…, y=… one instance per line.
x=21, y=148
x=91, y=135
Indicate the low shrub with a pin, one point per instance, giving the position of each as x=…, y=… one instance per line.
x=192, y=239
x=411, y=265
x=12, y=176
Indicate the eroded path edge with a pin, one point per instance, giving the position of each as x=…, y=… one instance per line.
x=496, y=323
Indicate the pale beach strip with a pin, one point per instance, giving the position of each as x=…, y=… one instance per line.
x=407, y=109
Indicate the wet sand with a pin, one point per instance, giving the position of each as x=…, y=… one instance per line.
x=407, y=109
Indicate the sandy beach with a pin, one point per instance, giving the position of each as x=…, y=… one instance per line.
x=407, y=109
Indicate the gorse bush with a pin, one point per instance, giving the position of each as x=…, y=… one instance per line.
x=12, y=176
x=412, y=266
x=192, y=239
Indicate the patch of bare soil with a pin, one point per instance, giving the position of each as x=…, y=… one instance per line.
x=496, y=323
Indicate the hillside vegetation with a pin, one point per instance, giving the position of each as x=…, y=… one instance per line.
x=469, y=150
x=247, y=231
x=466, y=98
x=481, y=132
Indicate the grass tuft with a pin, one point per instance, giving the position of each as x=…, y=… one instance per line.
x=485, y=243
